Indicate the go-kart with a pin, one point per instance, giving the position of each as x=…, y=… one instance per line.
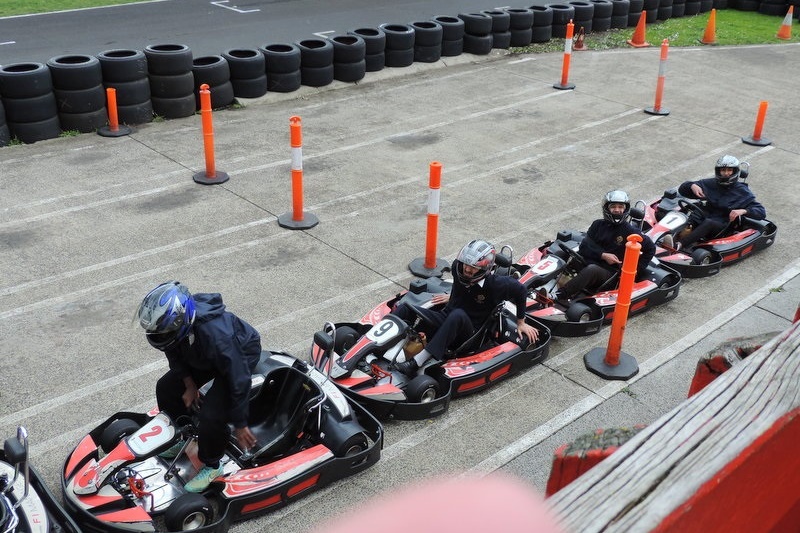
x=308, y=435
x=363, y=361
x=26, y=504
x=673, y=214
x=546, y=268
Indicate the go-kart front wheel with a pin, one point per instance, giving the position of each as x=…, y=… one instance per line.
x=422, y=389
x=701, y=256
x=190, y=511
x=115, y=432
x=354, y=445
x=578, y=312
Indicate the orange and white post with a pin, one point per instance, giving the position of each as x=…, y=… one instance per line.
x=430, y=265
x=567, y=56
x=662, y=74
x=113, y=129
x=211, y=176
x=297, y=218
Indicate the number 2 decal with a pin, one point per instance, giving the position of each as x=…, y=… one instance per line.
x=155, y=430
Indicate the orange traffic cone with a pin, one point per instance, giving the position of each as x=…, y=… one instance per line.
x=638, y=35
x=580, y=43
x=710, y=36
x=785, y=32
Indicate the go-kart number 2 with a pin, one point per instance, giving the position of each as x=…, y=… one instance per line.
x=155, y=430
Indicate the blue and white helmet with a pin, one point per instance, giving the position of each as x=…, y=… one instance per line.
x=478, y=254
x=166, y=314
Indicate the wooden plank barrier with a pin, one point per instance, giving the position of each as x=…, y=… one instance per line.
x=726, y=459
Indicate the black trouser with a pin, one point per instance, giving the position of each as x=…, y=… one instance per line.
x=446, y=329
x=707, y=228
x=591, y=276
x=212, y=429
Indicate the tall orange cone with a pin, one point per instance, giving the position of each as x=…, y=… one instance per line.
x=710, y=36
x=785, y=31
x=639, y=33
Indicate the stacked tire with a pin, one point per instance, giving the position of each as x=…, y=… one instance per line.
x=80, y=95
x=5, y=134
x=664, y=10
x=316, y=62
x=349, y=57
x=375, y=46
x=562, y=15
x=31, y=112
x=452, y=35
x=584, y=16
x=126, y=72
x=635, y=12
x=520, y=26
x=603, y=10
x=619, y=13
x=678, y=8
x=542, y=29
x=248, y=72
x=283, y=67
x=651, y=7
x=774, y=8
x=399, y=51
x=428, y=37
x=477, y=33
x=169, y=68
x=501, y=26
x=214, y=72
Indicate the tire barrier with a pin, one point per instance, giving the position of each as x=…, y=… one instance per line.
x=283, y=67
x=619, y=13
x=297, y=218
x=664, y=11
x=477, y=33
x=428, y=37
x=113, y=129
x=452, y=35
x=172, y=89
x=603, y=10
x=31, y=112
x=678, y=8
x=5, y=134
x=651, y=7
x=125, y=71
x=430, y=266
x=80, y=95
x=662, y=72
x=316, y=62
x=756, y=139
x=564, y=84
x=501, y=28
x=375, y=44
x=248, y=72
x=635, y=12
x=584, y=15
x=349, y=57
x=214, y=72
x=400, y=39
x=520, y=26
x=562, y=15
x=211, y=176
x=542, y=29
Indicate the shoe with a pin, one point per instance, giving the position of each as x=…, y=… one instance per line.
x=409, y=368
x=203, y=479
x=562, y=299
x=667, y=241
x=173, y=451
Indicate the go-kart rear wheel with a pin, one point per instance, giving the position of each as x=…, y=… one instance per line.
x=669, y=281
x=346, y=337
x=578, y=312
x=116, y=431
x=422, y=389
x=354, y=445
x=701, y=256
x=188, y=512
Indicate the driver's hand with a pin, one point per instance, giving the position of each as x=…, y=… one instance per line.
x=191, y=396
x=736, y=213
x=440, y=298
x=610, y=258
x=698, y=191
x=530, y=332
x=245, y=437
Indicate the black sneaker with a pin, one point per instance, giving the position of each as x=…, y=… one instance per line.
x=409, y=368
x=562, y=299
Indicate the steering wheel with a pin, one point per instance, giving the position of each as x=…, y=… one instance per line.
x=692, y=208
x=580, y=262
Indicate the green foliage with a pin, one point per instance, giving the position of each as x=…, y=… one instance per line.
x=26, y=7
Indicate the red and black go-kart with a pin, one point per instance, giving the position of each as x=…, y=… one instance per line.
x=672, y=214
x=26, y=504
x=363, y=361
x=546, y=268
x=309, y=435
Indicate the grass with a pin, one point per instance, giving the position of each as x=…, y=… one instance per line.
x=27, y=7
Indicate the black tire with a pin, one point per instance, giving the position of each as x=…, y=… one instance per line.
x=584, y=10
x=678, y=10
x=346, y=337
x=399, y=58
x=350, y=72
x=501, y=40
x=316, y=76
x=578, y=312
x=115, y=432
x=477, y=44
x=315, y=53
x=600, y=25
x=348, y=48
x=768, y=9
x=190, y=511
x=707, y=5
x=354, y=445
x=635, y=7
x=131, y=92
x=83, y=122
x=122, y=65
x=669, y=281
x=542, y=16
x=211, y=70
x=602, y=9
x=171, y=86
x=453, y=48
x=31, y=132
x=245, y=63
x=619, y=21
x=452, y=27
x=398, y=37
x=5, y=134
x=281, y=58
x=701, y=256
x=664, y=13
x=221, y=96
x=693, y=8
x=25, y=80
x=620, y=8
x=427, y=33
x=71, y=72
x=422, y=389
x=168, y=59
x=587, y=25
x=501, y=20
x=374, y=39
x=135, y=113
x=520, y=18
x=476, y=23
x=81, y=100
x=560, y=31
x=521, y=37
x=427, y=54
x=562, y=14
x=375, y=62
x=33, y=109
x=542, y=34
x=177, y=107
x=251, y=87
x=283, y=82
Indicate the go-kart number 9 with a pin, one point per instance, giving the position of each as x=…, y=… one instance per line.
x=382, y=331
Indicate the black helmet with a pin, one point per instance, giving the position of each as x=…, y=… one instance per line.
x=616, y=197
x=727, y=161
x=166, y=314
x=478, y=254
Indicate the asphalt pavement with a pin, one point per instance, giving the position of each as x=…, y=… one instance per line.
x=88, y=224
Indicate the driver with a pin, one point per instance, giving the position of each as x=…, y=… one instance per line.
x=603, y=247
x=726, y=199
x=475, y=293
x=202, y=341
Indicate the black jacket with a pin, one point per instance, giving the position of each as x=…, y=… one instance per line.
x=478, y=300
x=224, y=344
x=721, y=200
x=604, y=236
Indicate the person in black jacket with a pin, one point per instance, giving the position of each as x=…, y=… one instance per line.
x=202, y=341
x=603, y=247
x=475, y=293
x=726, y=198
